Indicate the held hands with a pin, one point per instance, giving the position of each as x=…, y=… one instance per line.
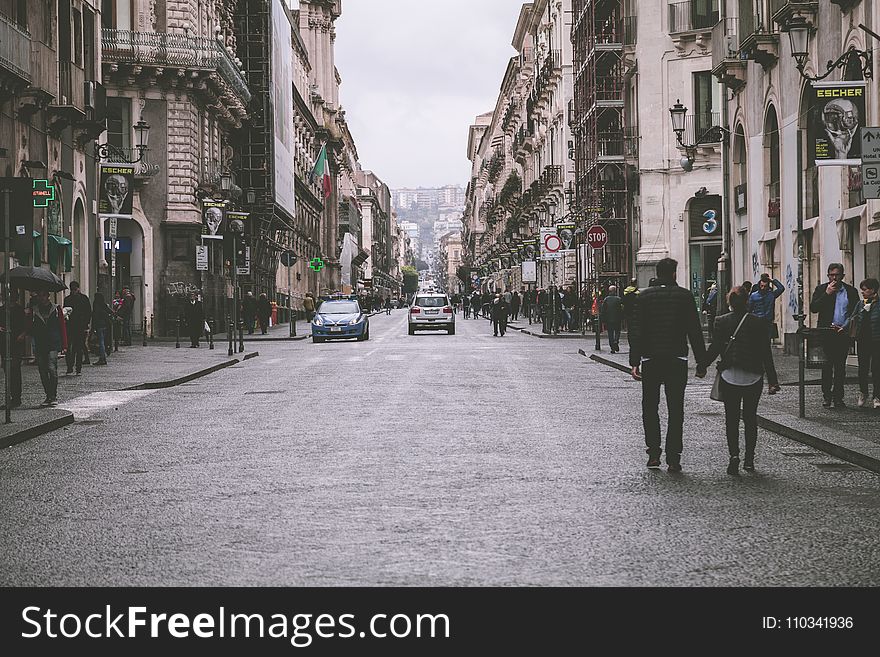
x=701, y=372
x=772, y=389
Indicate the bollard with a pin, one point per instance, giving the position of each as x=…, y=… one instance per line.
x=177, y=333
x=241, y=337
x=145, y=332
x=229, y=336
x=211, y=334
x=152, y=325
x=116, y=335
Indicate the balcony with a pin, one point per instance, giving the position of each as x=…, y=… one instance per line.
x=691, y=23
x=551, y=176
x=164, y=59
x=69, y=108
x=15, y=56
x=758, y=39
x=630, y=30
x=143, y=170
x=727, y=63
x=697, y=128
x=44, y=81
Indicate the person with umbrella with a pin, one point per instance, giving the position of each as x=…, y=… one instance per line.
x=50, y=337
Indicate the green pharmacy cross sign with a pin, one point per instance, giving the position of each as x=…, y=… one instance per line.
x=43, y=193
x=316, y=264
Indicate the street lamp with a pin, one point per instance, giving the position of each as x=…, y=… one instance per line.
x=225, y=181
x=142, y=136
x=711, y=135
x=799, y=31
x=236, y=226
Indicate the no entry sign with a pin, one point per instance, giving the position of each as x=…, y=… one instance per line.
x=597, y=237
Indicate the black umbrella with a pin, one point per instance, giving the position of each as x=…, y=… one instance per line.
x=35, y=279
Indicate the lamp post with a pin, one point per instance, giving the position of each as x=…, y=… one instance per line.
x=799, y=31
x=554, y=291
x=7, y=334
x=237, y=228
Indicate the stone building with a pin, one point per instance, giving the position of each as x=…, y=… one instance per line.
x=450, y=260
x=51, y=111
x=374, y=199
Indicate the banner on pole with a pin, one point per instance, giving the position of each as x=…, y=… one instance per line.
x=116, y=185
x=837, y=116
x=213, y=219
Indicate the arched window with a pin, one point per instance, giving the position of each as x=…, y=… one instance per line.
x=772, y=167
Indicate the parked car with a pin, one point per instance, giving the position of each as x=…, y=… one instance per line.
x=431, y=311
x=340, y=319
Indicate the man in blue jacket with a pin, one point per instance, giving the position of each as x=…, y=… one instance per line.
x=762, y=301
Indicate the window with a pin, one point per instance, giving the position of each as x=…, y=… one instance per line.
x=771, y=148
x=119, y=122
x=704, y=103
x=180, y=246
x=77, y=55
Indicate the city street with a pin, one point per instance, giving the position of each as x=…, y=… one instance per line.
x=420, y=460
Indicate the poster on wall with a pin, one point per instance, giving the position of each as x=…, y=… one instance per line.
x=837, y=115
x=115, y=195
x=529, y=248
x=566, y=234
x=213, y=219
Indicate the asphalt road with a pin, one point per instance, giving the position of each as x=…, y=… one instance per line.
x=419, y=460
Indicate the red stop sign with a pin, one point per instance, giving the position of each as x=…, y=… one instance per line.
x=597, y=236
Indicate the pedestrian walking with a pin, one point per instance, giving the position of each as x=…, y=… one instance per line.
x=612, y=314
x=864, y=326
x=194, y=316
x=630, y=294
x=466, y=305
x=476, y=303
x=499, y=313
x=834, y=301
x=569, y=304
x=387, y=305
x=664, y=321
x=710, y=308
x=762, y=302
x=125, y=313
x=249, y=311
x=515, y=302
x=102, y=315
x=78, y=319
x=17, y=340
x=488, y=298
x=49, y=331
x=264, y=312
x=309, y=306
x=742, y=341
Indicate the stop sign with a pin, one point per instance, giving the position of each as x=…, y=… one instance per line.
x=597, y=237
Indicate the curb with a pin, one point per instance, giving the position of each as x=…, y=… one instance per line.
x=783, y=425
x=159, y=385
x=38, y=430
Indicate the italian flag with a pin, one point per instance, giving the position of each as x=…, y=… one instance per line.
x=322, y=171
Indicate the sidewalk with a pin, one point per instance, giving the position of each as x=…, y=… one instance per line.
x=851, y=434
x=158, y=365
x=277, y=332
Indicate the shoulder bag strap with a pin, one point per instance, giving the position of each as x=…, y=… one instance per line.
x=733, y=337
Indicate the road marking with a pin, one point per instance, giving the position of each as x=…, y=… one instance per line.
x=88, y=405
x=274, y=361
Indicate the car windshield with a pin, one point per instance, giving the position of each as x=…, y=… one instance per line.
x=339, y=308
x=431, y=302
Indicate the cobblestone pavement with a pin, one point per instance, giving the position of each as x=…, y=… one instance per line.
x=421, y=460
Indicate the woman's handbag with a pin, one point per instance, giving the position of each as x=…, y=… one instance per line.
x=716, y=386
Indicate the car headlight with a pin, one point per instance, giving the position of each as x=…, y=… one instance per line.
x=317, y=321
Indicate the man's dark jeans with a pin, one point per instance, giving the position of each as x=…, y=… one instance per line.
x=869, y=367
x=672, y=374
x=614, y=337
x=836, y=347
x=76, y=348
x=741, y=402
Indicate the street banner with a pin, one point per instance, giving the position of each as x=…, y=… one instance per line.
x=551, y=244
x=838, y=114
x=566, y=234
x=529, y=271
x=213, y=219
x=201, y=258
x=505, y=261
x=496, y=264
x=515, y=258
x=115, y=192
x=529, y=249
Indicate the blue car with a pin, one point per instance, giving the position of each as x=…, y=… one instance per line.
x=340, y=319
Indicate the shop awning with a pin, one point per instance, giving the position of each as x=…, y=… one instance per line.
x=60, y=252
x=360, y=258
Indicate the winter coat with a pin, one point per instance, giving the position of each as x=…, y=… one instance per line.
x=81, y=314
x=630, y=294
x=264, y=309
x=762, y=304
x=101, y=315
x=867, y=324
x=500, y=309
x=824, y=303
x=664, y=321
x=49, y=333
x=751, y=349
x=195, y=317
x=249, y=307
x=309, y=304
x=612, y=311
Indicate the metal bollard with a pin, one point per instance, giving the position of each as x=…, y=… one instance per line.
x=241, y=337
x=177, y=333
x=211, y=334
x=152, y=325
x=145, y=332
x=229, y=331
x=116, y=336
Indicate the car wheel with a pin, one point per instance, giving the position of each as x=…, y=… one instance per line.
x=452, y=330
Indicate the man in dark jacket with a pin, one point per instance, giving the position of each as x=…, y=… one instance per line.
x=611, y=313
x=499, y=311
x=77, y=327
x=664, y=321
x=835, y=302
x=195, y=320
x=249, y=310
x=48, y=329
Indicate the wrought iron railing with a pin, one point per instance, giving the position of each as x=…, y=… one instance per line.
x=725, y=41
x=696, y=128
x=15, y=48
x=173, y=50
x=70, y=84
x=142, y=169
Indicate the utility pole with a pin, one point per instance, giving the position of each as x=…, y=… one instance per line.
x=7, y=338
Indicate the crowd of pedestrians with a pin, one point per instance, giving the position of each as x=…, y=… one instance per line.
x=43, y=329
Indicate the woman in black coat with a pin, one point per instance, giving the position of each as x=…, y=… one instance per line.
x=101, y=318
x=264, y=311
x=743, y=367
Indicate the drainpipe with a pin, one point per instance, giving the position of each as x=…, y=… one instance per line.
x=725, y=267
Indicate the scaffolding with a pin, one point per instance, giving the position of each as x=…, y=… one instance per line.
x=602, y=171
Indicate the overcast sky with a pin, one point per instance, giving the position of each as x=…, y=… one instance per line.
x=415, y=74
